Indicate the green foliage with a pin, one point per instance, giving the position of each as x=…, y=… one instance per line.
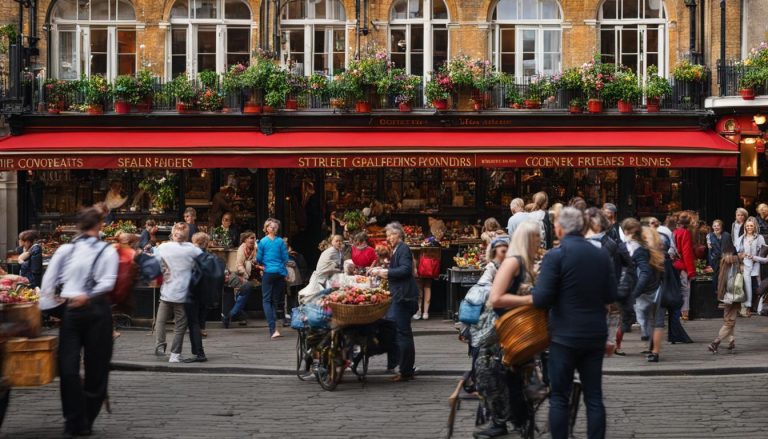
x=8, y=35
x=181, y=89
x=209, y=99
x=232, y=80
x=540, y=88
x=754, y=77
x=57, y=89
x=656, y=87
x=571, y=79
x=277, y=88
x=126, y=88
x=404, y=87
x=208, y=78
x=145, y=84
x=513, y=94
x=438, y=87
x=625, y=86
x=161, y=189
x=686, y=71
x=96, y=89
x=317, y=85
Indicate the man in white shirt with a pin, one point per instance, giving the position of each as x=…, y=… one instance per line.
x=517, y=207
x=177, y=257
x=86, y=271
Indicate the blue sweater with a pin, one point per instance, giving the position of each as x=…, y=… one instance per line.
x=273, y=254
x=576, y=282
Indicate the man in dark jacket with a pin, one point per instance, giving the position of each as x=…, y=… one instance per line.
x=405, y=294
x=576, y=283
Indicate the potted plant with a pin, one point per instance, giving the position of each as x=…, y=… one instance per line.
x=125, y=92
x=253, y=81
x=438, y=90
x=145, y=89
x=625, y=89
x=338, y=92
x=404, y=88
x=689, y=72
x=533, y=93
x=56, y=94
x=276, y=90
x=182, y=90
x=96, y=91
x=595, y=75
x=231, y=81
x=317, y=86
x=366, y=77
x=161, y=189
x=297, y=87
x=570, y=82
x=483, y=80
x=752, y=78
x=575, y=106
x=656, y=87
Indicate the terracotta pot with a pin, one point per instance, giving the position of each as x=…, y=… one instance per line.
x=268, y=109
x=532, y=104
x=514, y=105
x=144, y=106
x=747, y=94
x=477, y=106
x=574, y=109
x=440, y=104
x=595, y=106
x=53, y=110
x=122, y=107
x=291, y=105
x=405, y=107
x=652, y=105
x=624, y=106
x=182, y=108
x=363, y=107
x=95, y=109
x=251, y=108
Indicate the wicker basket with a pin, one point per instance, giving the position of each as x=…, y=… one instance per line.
x=522, y=333
x=347, y=315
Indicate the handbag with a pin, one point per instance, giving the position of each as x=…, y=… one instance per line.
x=429, y=267
x=670, y=288
x=318, y=317
x=735, y=291
x=483, y=334
x=472, y=305
x=298, y=318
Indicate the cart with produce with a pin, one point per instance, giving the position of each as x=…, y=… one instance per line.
x=341, y=328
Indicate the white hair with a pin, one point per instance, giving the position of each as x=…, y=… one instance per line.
x=395, y=227
x=571, y=220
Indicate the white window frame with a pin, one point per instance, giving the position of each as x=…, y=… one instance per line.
x=662, y=49
x=193, y=25
x=310, y=24
x=81, y=29
x=428, y=24
x=520, y=25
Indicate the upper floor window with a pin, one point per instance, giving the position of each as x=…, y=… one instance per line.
x=208, y=35
x=527, y=37
x=93, y=37
x=418, y=35
x=314, y=36
x=633, y=33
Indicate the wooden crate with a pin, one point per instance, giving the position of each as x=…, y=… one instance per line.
x=27, y=314
x=30, y=361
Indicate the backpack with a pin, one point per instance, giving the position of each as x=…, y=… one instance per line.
x=149, y=267
x=546, y=231
x=127, y=269
x=207, y=278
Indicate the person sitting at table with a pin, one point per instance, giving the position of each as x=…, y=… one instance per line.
x=190, y=215
x=30, y=257
x=147, y=239
x=228, y=228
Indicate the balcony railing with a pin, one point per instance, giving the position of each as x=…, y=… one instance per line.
x=686, y=96
x=729, y=76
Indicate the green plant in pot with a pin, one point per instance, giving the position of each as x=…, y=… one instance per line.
x=404, y=89
x=277, y=89
x=56, y=91
x=339, y=92
x=208, y=97
x=625, y=89
x=125, y=90
x=145, y=89
x=181, y=89
x=538, y=89
x=656, y=88
x=575, y=105
x=297, y=89
x=751, y=80
x=161, y=189
x=438, y=89
x=689, y=72
x=595, y=76
x=368, y=76
x=96, y=91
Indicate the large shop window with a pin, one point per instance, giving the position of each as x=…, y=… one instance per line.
x=418, y=35
x=314, y=36
x=94, y=37
x=658, y=191
x=208, y=35
x=633, y=33
x=527, y=37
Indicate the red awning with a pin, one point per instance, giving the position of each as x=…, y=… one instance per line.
x=251, y=149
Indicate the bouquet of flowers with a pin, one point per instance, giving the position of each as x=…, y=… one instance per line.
x=470, y=258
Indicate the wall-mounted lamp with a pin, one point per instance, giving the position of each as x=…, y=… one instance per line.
x=761, y=121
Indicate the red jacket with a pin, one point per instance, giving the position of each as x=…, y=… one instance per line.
x=686, y=261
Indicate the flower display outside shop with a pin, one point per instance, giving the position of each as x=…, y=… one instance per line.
x=56, y=91
x=96, y=91
x=687, y=71
x=438, y=90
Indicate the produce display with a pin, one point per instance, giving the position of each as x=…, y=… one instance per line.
x=357, y=296
x=16, y=289
x=113, y=229
x=471, y=257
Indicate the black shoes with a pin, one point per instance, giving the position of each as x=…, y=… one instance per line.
x=653, y=358
x=493, y=430
x=225, y=321
x=161, y=347
x=196, y=359
x=644, y=338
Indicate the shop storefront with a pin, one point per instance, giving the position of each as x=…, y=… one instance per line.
x=458, y=169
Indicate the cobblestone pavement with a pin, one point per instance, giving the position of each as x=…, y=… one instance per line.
x=249, y=350
x=162, y=405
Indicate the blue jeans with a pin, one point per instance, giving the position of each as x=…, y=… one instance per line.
x=401, y=313
x=272, y=290
x=563, y=360
x=241, y=299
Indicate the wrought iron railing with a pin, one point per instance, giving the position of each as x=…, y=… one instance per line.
x=729, y=76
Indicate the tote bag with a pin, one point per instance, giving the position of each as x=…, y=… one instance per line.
x=735, y=290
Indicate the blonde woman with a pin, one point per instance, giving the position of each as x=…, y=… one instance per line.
x=751, y=244
x=246, y=263
x=491, y=230
x=737, y=229
x=511, y=287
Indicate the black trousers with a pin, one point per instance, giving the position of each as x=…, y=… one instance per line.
x=87, y=329
x=194, y=310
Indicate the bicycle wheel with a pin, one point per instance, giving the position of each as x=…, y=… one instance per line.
x=303, y=356
x=331, y=365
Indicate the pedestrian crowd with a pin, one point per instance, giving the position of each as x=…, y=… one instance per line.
x=598, y=277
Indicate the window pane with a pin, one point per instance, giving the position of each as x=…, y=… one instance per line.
x=439, y=10
x=417, y=38
x=653, y=8
x=550, y=10
x=338, y=11
x=178, y=65
x=235, y=58
x=179, y=40
x=339, y=38
x=205, y=8
x=609, y=9
x=98, y=40
x=414, y=9
x=296, y=45
x=206, y=41
x=508, y=63
x=238, y=40
x=66, y=9
x=67, y=69
x=100, y=10
x=83, y=10
x=608, y=44
x=338, y=63
x=628, y=40
x=126, y=41
x=319, y=9
x=320, y=53
x=180, y=9
x=506, y=10
x=507, y=39
x=551, y=63
x=99, y=64
x=397, y=42
x=529, y=40
x=552, y=41
x=629, y=9
x=629, y=61
x=653, y=59
x=398, y=59
x=125, y=10
x=530, y=9
x=400, y=10
x=439, y=47
x=529, y=64
x=206, y=62
x=236, y=10
x=653, y=40
x=126, y=64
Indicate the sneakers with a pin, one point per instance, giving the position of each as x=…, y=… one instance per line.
x=493, y=430
x=175, y=358
x=425, y=316
x=417, y=316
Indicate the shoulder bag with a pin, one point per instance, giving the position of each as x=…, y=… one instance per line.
x=735, y=290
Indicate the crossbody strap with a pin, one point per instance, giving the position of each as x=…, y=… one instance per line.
x=90, y=282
